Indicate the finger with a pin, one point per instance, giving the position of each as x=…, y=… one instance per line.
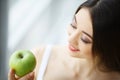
x=11, y=75
x=29, y=76
x=32, y=74
x=17, y=77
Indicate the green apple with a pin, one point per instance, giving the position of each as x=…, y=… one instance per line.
x=23, y=62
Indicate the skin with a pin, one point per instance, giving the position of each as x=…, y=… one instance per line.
x=73, y=61
x=12, y=76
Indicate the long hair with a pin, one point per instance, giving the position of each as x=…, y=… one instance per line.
x=105, y=15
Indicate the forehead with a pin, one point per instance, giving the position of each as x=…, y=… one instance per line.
x=84, y=21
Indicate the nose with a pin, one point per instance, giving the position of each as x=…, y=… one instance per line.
x=74, y=39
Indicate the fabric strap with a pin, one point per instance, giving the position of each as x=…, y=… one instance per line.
x=44, y=62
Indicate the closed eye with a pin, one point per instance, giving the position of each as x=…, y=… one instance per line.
x=74, y=27
x=85, y=39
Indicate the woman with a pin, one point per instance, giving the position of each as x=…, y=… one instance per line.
x=93, y=52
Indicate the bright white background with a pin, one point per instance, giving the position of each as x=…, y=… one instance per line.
x=39, y=22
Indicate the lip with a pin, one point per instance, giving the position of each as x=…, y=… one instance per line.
x=73, y=49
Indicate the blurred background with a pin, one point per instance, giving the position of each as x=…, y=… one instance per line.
x=26, y=24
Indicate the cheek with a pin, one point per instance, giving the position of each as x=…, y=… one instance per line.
x=86, y=51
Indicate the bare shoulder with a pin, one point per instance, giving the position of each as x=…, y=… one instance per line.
x=59, y=49
x=38, y=52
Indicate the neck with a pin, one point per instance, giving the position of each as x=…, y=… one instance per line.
x=88, y=66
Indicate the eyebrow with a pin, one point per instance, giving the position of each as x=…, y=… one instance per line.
x=83, y=31
x=87, y=34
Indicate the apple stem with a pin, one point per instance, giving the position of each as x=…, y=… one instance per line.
x=20, y=55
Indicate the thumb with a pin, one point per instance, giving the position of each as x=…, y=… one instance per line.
x=31, y=75
x=11, y=75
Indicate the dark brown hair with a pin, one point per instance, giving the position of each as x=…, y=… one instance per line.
x=105, y=15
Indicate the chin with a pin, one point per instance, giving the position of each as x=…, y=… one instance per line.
x=75, y=55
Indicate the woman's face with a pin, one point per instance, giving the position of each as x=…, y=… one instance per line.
x=80, y=35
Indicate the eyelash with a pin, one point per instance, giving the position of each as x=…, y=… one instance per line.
x=85, y=41
x=74, y=27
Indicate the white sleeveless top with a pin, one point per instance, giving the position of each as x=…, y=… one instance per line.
x=44, y=62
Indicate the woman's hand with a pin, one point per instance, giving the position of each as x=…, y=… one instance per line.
x=12, y=76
